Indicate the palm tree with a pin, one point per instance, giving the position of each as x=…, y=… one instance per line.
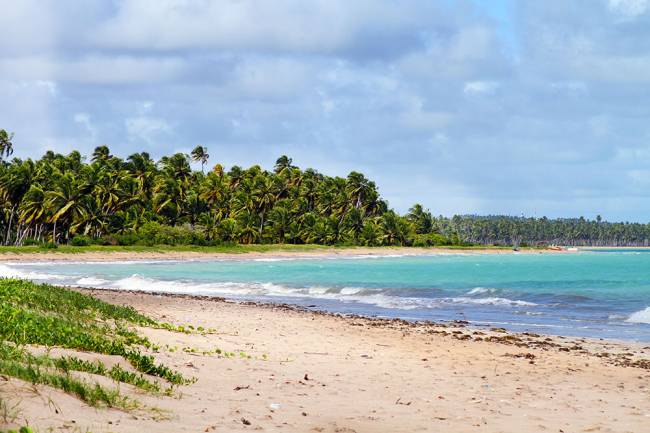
x=264, y=196
x=101, y=154
x=421, y=219
x=200, y=153
x=6, y=145
x=280, y=219
x=177, y=166
x=354, y=223
x=60, y=195
x=371, y=233
x=229, y=229
x=358, y=188
x=143, y=170
x=14, y=184
x=214, y=190
x=33, y=209
x=282, y=164
x=68, y=204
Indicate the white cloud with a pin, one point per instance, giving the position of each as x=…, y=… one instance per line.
x=473, y=43
x=98, y=69
x=49, y=85
x=146, y=129
x=373, y=85
x=418, y=117
x=84, y=120
x=480, y=87
x=570, y=87
x=629, y=8
x=270, y=78
x=322, y=26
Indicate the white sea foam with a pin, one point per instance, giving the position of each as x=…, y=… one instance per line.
x=257, y=289
x=489, y=301
x=642, y=316
x=13, y=272
x=91, y=281
x=367, y=296
x=482, y=290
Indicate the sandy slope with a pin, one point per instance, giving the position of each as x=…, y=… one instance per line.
x=330, y=374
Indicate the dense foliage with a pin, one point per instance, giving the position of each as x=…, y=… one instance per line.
x=63, y=199
x=507, y=230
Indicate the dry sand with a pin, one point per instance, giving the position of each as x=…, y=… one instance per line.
x=312, y=372
x=34, y=256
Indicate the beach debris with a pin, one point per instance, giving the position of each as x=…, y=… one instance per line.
x=245, y=421
x=274, y=406
x=399, y=401
x=239, y=388
x=528, y=355
x=304, y=414
x=306, y=377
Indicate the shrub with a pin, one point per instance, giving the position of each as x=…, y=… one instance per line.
x=127, y=239
x=81, y=241
x=109, y=240
x=430, y=240
x=153, y=233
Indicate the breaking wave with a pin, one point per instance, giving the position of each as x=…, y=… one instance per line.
x=377, y=297
x=482, y=290
x=642, y=316
x=383, y=298
x=9, y=272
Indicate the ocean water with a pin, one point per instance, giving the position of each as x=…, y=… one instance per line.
x=604, y=294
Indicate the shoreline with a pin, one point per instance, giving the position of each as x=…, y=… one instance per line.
x=325, y=252
x=312, y=371
x=538, y=338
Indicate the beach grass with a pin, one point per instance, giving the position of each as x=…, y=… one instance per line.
x=222, y=249
x=48, y=316
x=225, y=249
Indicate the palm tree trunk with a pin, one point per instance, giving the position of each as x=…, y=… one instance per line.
x=11, y=218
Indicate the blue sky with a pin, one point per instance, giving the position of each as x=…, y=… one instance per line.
x=472, y=106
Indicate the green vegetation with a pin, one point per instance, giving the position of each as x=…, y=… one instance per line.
x=45, y=315
x=230, y=248
x=521, y=231
x=62, y=199
x=23, y=429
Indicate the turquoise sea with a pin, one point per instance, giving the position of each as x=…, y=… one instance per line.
x=604, y=294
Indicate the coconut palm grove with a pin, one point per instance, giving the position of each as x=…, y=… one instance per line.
x=107, y=200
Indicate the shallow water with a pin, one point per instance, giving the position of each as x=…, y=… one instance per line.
x=597, y=294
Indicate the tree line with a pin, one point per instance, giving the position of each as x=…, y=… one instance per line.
x=109, y=200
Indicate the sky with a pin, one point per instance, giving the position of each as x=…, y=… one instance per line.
x=472, y=106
